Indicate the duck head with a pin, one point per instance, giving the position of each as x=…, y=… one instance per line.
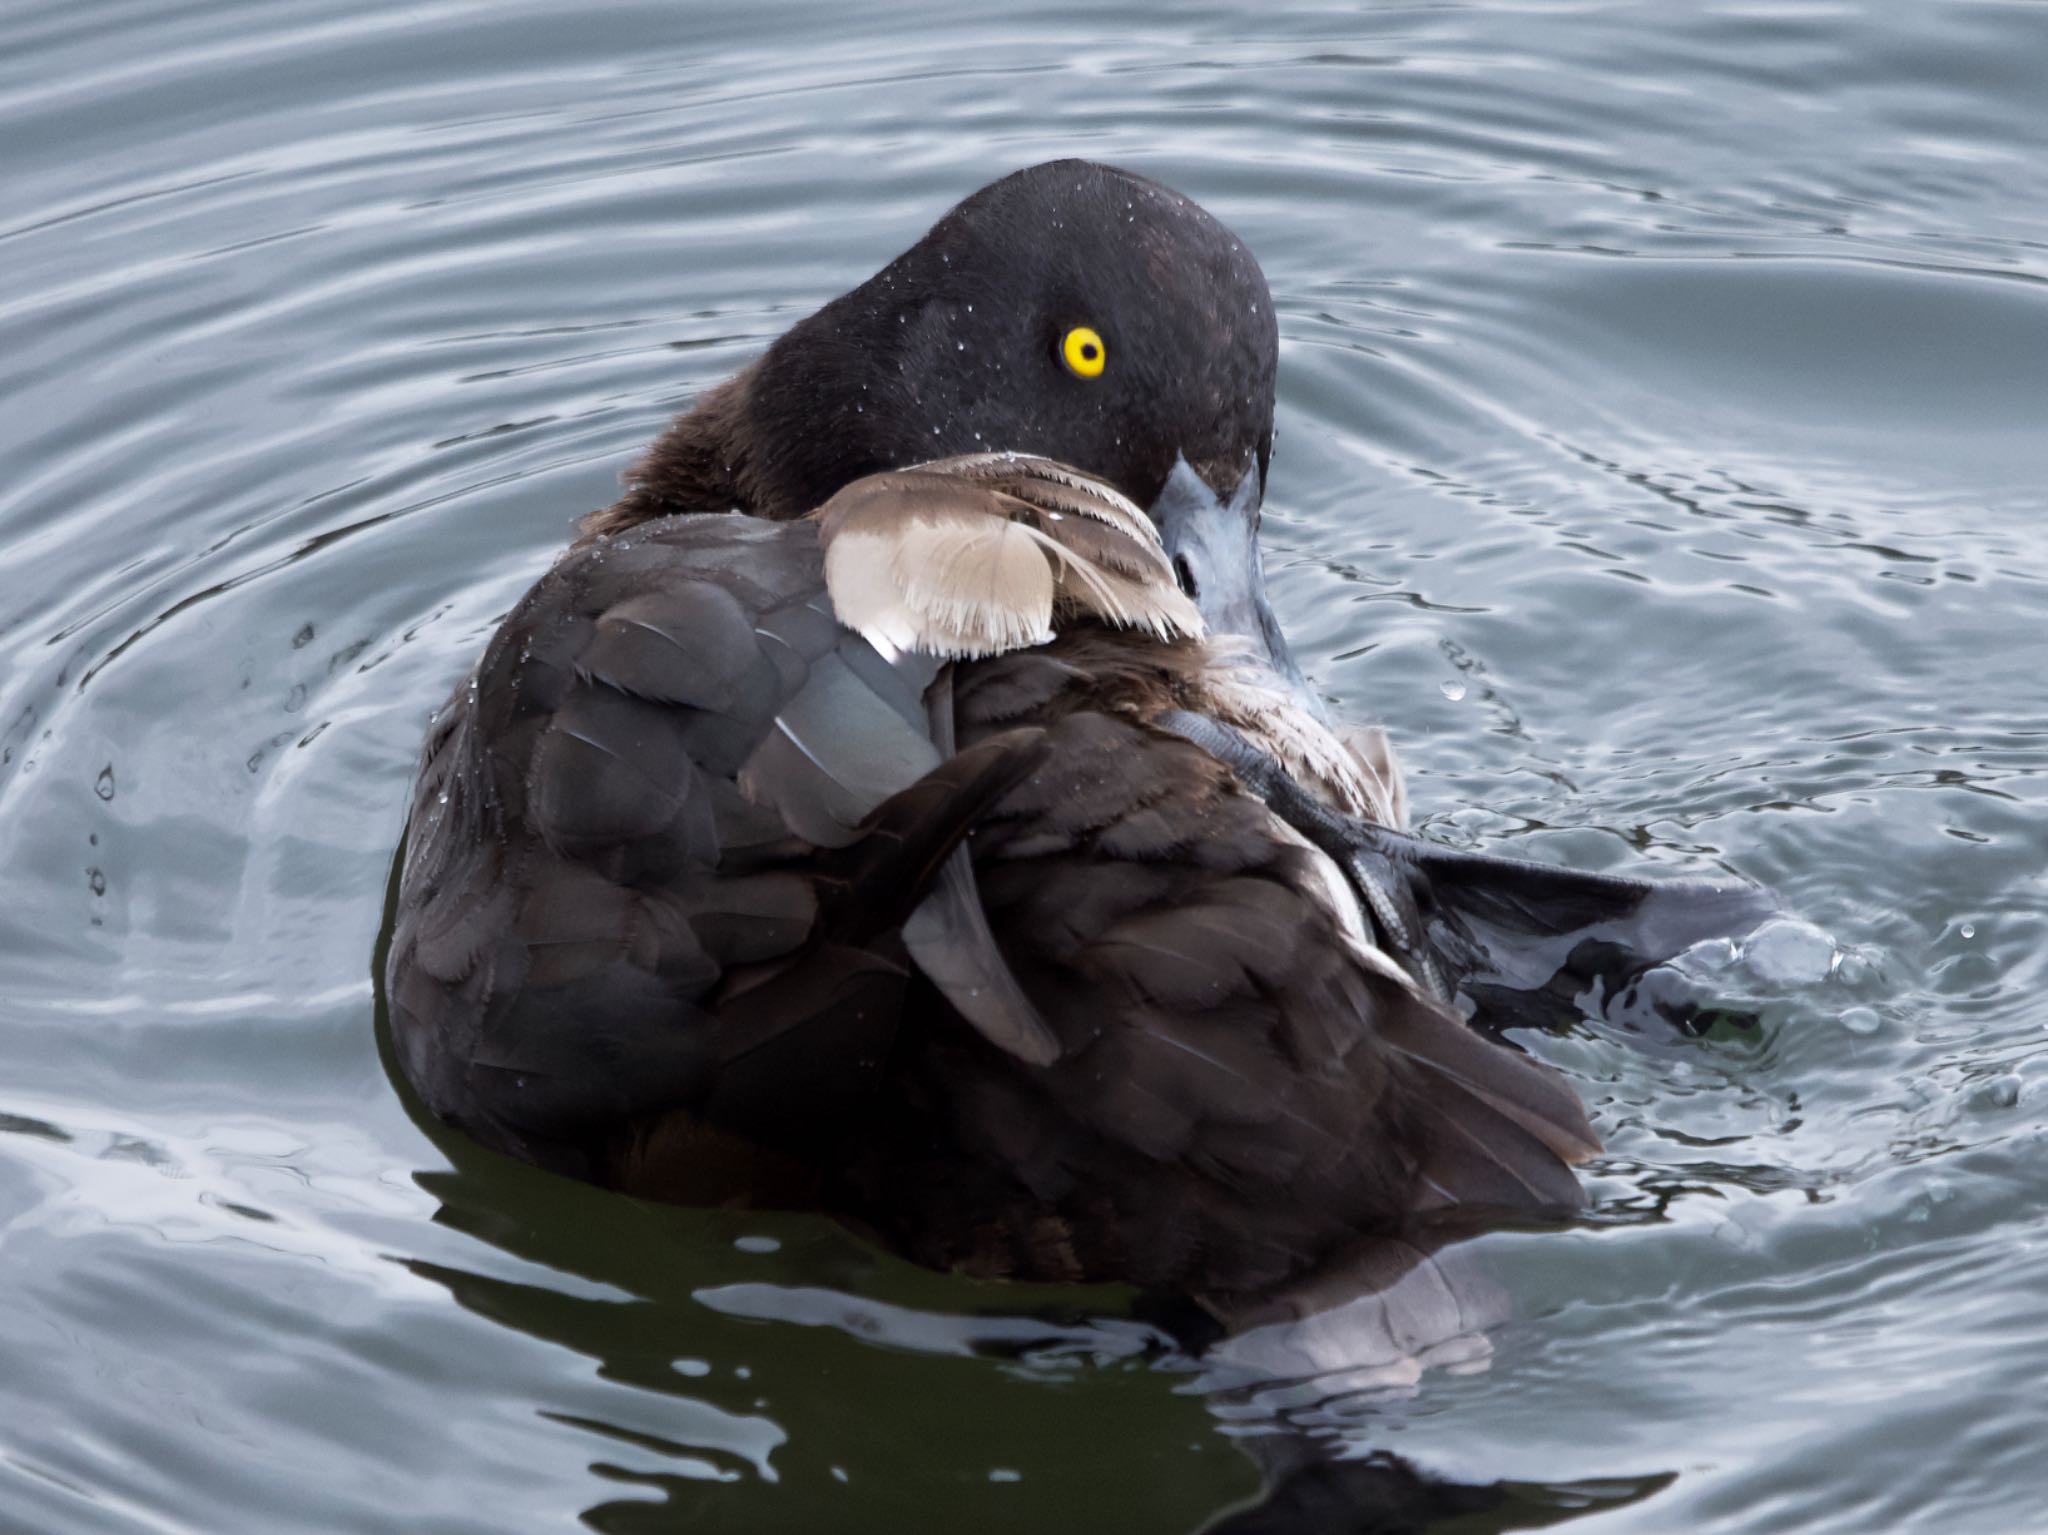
x=1072, y=311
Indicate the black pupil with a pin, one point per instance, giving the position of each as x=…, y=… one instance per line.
x=1088, y=351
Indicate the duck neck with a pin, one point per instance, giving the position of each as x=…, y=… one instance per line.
x=702, y=463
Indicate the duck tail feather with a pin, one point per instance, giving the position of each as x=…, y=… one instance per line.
x=1497, y=1128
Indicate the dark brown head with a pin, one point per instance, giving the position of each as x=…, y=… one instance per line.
x=1072, y=310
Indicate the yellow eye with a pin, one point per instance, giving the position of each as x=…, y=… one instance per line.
x=1083, y=352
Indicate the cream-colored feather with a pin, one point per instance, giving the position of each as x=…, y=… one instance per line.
x=860, y=577
x=1356, y=783
x=1055, y=488
x=988, y=553
x=978, y=576
x=1373, y=751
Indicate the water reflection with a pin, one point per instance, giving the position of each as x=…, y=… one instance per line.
x=711, y=1318
x=1310, y=1493
x=779, y=1351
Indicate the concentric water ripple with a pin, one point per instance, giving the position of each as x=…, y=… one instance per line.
x=1661, y=458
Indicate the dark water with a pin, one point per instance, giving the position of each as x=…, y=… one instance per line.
x=1662, y=457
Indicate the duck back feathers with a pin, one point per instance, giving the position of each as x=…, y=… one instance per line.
x=697, y=871
x=1239, y=1087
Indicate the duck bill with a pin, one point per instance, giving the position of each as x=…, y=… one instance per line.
x=1214, y=546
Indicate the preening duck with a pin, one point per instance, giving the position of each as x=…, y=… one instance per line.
x=903, y=803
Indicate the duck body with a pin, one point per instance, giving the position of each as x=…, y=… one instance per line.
x=653, y=933
x=1242, y=1085
x=823, y=828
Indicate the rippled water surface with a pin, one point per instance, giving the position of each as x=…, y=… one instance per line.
x=1662, y=458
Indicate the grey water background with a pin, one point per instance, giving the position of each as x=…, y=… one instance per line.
x=1661, y=458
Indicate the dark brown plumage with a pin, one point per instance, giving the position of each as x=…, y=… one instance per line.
x=1242, y=1086
x=652, y=925
x=859, y=862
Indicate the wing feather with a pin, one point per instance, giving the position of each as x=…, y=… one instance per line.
x=981, y=555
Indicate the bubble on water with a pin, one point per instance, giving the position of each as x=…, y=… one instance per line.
x=761, y=1245
x=103, y=785
x=1860, y=1020
x=1452, y=690
x=1786, y=951
x=1968, y=930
